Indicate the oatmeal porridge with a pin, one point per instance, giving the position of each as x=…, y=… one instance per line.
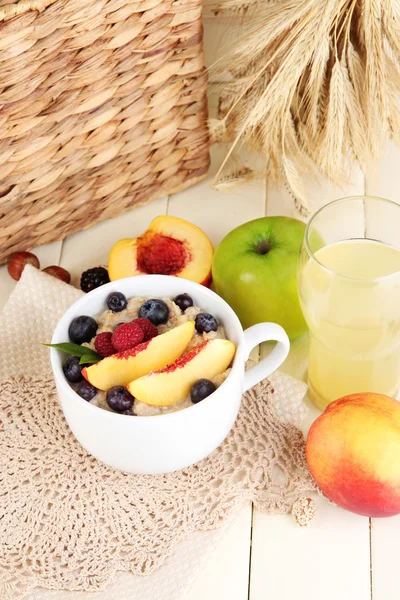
x=148, y=356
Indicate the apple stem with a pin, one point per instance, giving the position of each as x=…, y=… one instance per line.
x=263, y=247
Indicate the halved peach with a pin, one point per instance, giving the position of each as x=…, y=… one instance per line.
x=123, y=367
x=172, y=384
x=170, y=246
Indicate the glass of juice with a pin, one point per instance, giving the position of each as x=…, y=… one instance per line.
x=349, y=288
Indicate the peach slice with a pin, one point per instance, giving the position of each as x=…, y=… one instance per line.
x=170, y=246
x=172, y=384
x=123, y=367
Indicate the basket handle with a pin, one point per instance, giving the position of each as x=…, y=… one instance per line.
x=8, y=11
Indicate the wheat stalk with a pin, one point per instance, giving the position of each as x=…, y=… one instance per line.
x=236, y=177
x=314, y=83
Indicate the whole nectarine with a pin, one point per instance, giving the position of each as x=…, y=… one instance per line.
x=353, y=452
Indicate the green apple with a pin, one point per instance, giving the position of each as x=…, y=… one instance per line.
x=255, y=271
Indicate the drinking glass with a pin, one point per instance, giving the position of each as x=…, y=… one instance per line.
x=349, y=288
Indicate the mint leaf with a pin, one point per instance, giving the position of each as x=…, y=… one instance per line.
x=86, y=354
x=87, y=359
x=70, y=348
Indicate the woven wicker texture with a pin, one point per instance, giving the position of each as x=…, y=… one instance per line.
x=102, y=107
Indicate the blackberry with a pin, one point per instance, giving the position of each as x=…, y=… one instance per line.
x=94, y=278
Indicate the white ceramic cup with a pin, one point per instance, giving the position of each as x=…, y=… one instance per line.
x=164, y=443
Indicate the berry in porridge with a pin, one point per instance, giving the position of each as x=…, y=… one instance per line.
x=117, y=302
x=103, y=344
x=119, y=399
x=201, y=389
x=82, y=329
x=205, y=323
x=86, y=391
x=184, y=301
x=154, y=310
x=127, y=336
x=149, y=330
x=72, y=369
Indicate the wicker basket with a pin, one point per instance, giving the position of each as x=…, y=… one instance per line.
x=102, y=107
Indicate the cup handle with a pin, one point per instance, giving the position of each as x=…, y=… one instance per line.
x=264, y=332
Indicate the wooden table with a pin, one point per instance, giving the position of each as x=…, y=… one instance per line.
x=341, y=556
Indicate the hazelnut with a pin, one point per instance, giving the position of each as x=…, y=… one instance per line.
x=17, y=261
x=58, y=272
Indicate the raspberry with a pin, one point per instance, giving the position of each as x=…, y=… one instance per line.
x=103, y=344
x=127, y=336
x=149, y=330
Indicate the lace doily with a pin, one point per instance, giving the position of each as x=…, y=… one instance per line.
x=68, y=522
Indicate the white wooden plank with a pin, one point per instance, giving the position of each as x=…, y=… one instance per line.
x=330, y=559
x=90, y=248
x=280, y=202
x=48, y=255
x=215, y=212
x=226, y=574
x=385, y=534
x=383, y=176
x=318, y=191
x=324, y=560
x=383, y=180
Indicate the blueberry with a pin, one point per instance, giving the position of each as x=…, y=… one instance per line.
x=86, y=390
x=184, y=301
x=82, y=329
x=119, y=399
x=155, y=311
x=117, y=302
x=201, y=389
x=129, y=412
x=72, y=369
x=204, y=322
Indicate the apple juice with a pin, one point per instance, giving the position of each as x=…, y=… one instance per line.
x=350, y=296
